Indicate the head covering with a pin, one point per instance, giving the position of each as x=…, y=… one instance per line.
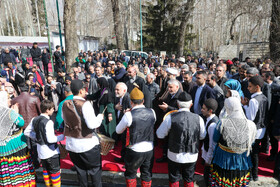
x=136, y=94
x=181, y=59
x=236, y=130
x=229, y=62
x=7, y=118
x=105, y=95
x=172, y=71
x=103, y=83
x=184, y=97
x=234, y=85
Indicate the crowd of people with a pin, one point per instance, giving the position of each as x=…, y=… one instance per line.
x=226, y=109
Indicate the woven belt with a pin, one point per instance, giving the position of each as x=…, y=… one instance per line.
x=224, y=148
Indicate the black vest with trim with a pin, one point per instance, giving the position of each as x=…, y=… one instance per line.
x=142, y=126
x=215, y=119
x=184, y=133
x=39, y=125
x=262, y=111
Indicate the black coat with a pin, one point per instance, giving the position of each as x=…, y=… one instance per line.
x=125, y=105
x=188, y=87
x=36, y=54
x=142, y=86
x=172, y=101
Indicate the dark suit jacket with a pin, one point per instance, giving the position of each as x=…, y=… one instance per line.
x=172, y=102
x=188, y=87
x=125, y=105
x=206, y=93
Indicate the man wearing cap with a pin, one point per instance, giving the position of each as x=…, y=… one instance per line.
x=184, y=130
x=36, y=54
x=181, y=61
x=139, y=123
x=82, y=142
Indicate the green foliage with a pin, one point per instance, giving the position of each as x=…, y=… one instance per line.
x=161, y=26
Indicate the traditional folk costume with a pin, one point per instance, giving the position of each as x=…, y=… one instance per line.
x=208, y=144
x=15, y=161
x=81, y=141
x=234, y=135
x=257, y=111
x=139, y=123
x=185, y=130
x=41, y=129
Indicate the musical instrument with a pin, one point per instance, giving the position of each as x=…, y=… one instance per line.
x=106, y=144
x=168, y=113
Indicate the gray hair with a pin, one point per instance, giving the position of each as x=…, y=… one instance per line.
x=185, y=104
x=193, y=64
x=252, y=71
x=164, y=67
x=67, y=89
x=173, y=81
x=188, y=73
x=123, y=85
x=152, y=76
x=185, y=66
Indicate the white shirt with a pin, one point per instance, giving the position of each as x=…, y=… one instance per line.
x=78, y=145
x=125, y=122
x=184, y=157
x=44, y=152
x=208, y=155
x=251, y=112
x=119, y=112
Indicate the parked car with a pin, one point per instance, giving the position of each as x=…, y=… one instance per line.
x=130, y=53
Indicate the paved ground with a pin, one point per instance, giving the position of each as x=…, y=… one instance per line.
x=116, y=179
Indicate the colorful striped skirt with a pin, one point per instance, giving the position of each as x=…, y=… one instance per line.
x=17, y=170
x=226, y=178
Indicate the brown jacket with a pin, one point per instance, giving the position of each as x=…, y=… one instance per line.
x=29, y=106
x=75, y=125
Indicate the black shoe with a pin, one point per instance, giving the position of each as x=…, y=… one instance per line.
x=162, y=159
x=119, y=159
x=73, y=168
x=271, y=158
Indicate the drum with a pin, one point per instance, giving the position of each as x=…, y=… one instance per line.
x=106, y=144
x=168, y=113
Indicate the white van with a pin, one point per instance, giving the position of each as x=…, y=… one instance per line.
x=130, y=53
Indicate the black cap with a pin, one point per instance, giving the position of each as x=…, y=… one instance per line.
x=184, y=97
x=76, y=86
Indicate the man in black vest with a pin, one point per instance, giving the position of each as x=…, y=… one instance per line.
x=182, y=152
x=208, y=110
x=256, y=110
x=139, y=123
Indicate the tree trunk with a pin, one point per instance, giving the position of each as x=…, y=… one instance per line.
x=274, y=38
x=183, y=26
x=117, y=24
x=70, y=32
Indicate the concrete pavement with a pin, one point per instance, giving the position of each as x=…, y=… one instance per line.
x=69, y=178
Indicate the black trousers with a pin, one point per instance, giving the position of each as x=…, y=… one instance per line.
x=255, y=157
x=134, y=160
x=88, y=163
x=176, y=169
x=206, y=174
x=268, y=137
x=52, y=164
x=46, y=69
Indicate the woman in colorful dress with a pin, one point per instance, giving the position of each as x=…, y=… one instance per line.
x=234, y=136
x=16, y=168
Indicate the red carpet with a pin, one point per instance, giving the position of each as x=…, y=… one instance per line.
x=108, y=164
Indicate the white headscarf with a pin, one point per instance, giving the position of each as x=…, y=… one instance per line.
x=236, y=129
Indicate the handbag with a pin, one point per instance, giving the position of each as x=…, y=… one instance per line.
x=62, y=150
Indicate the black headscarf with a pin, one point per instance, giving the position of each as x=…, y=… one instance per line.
x=105, y=95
